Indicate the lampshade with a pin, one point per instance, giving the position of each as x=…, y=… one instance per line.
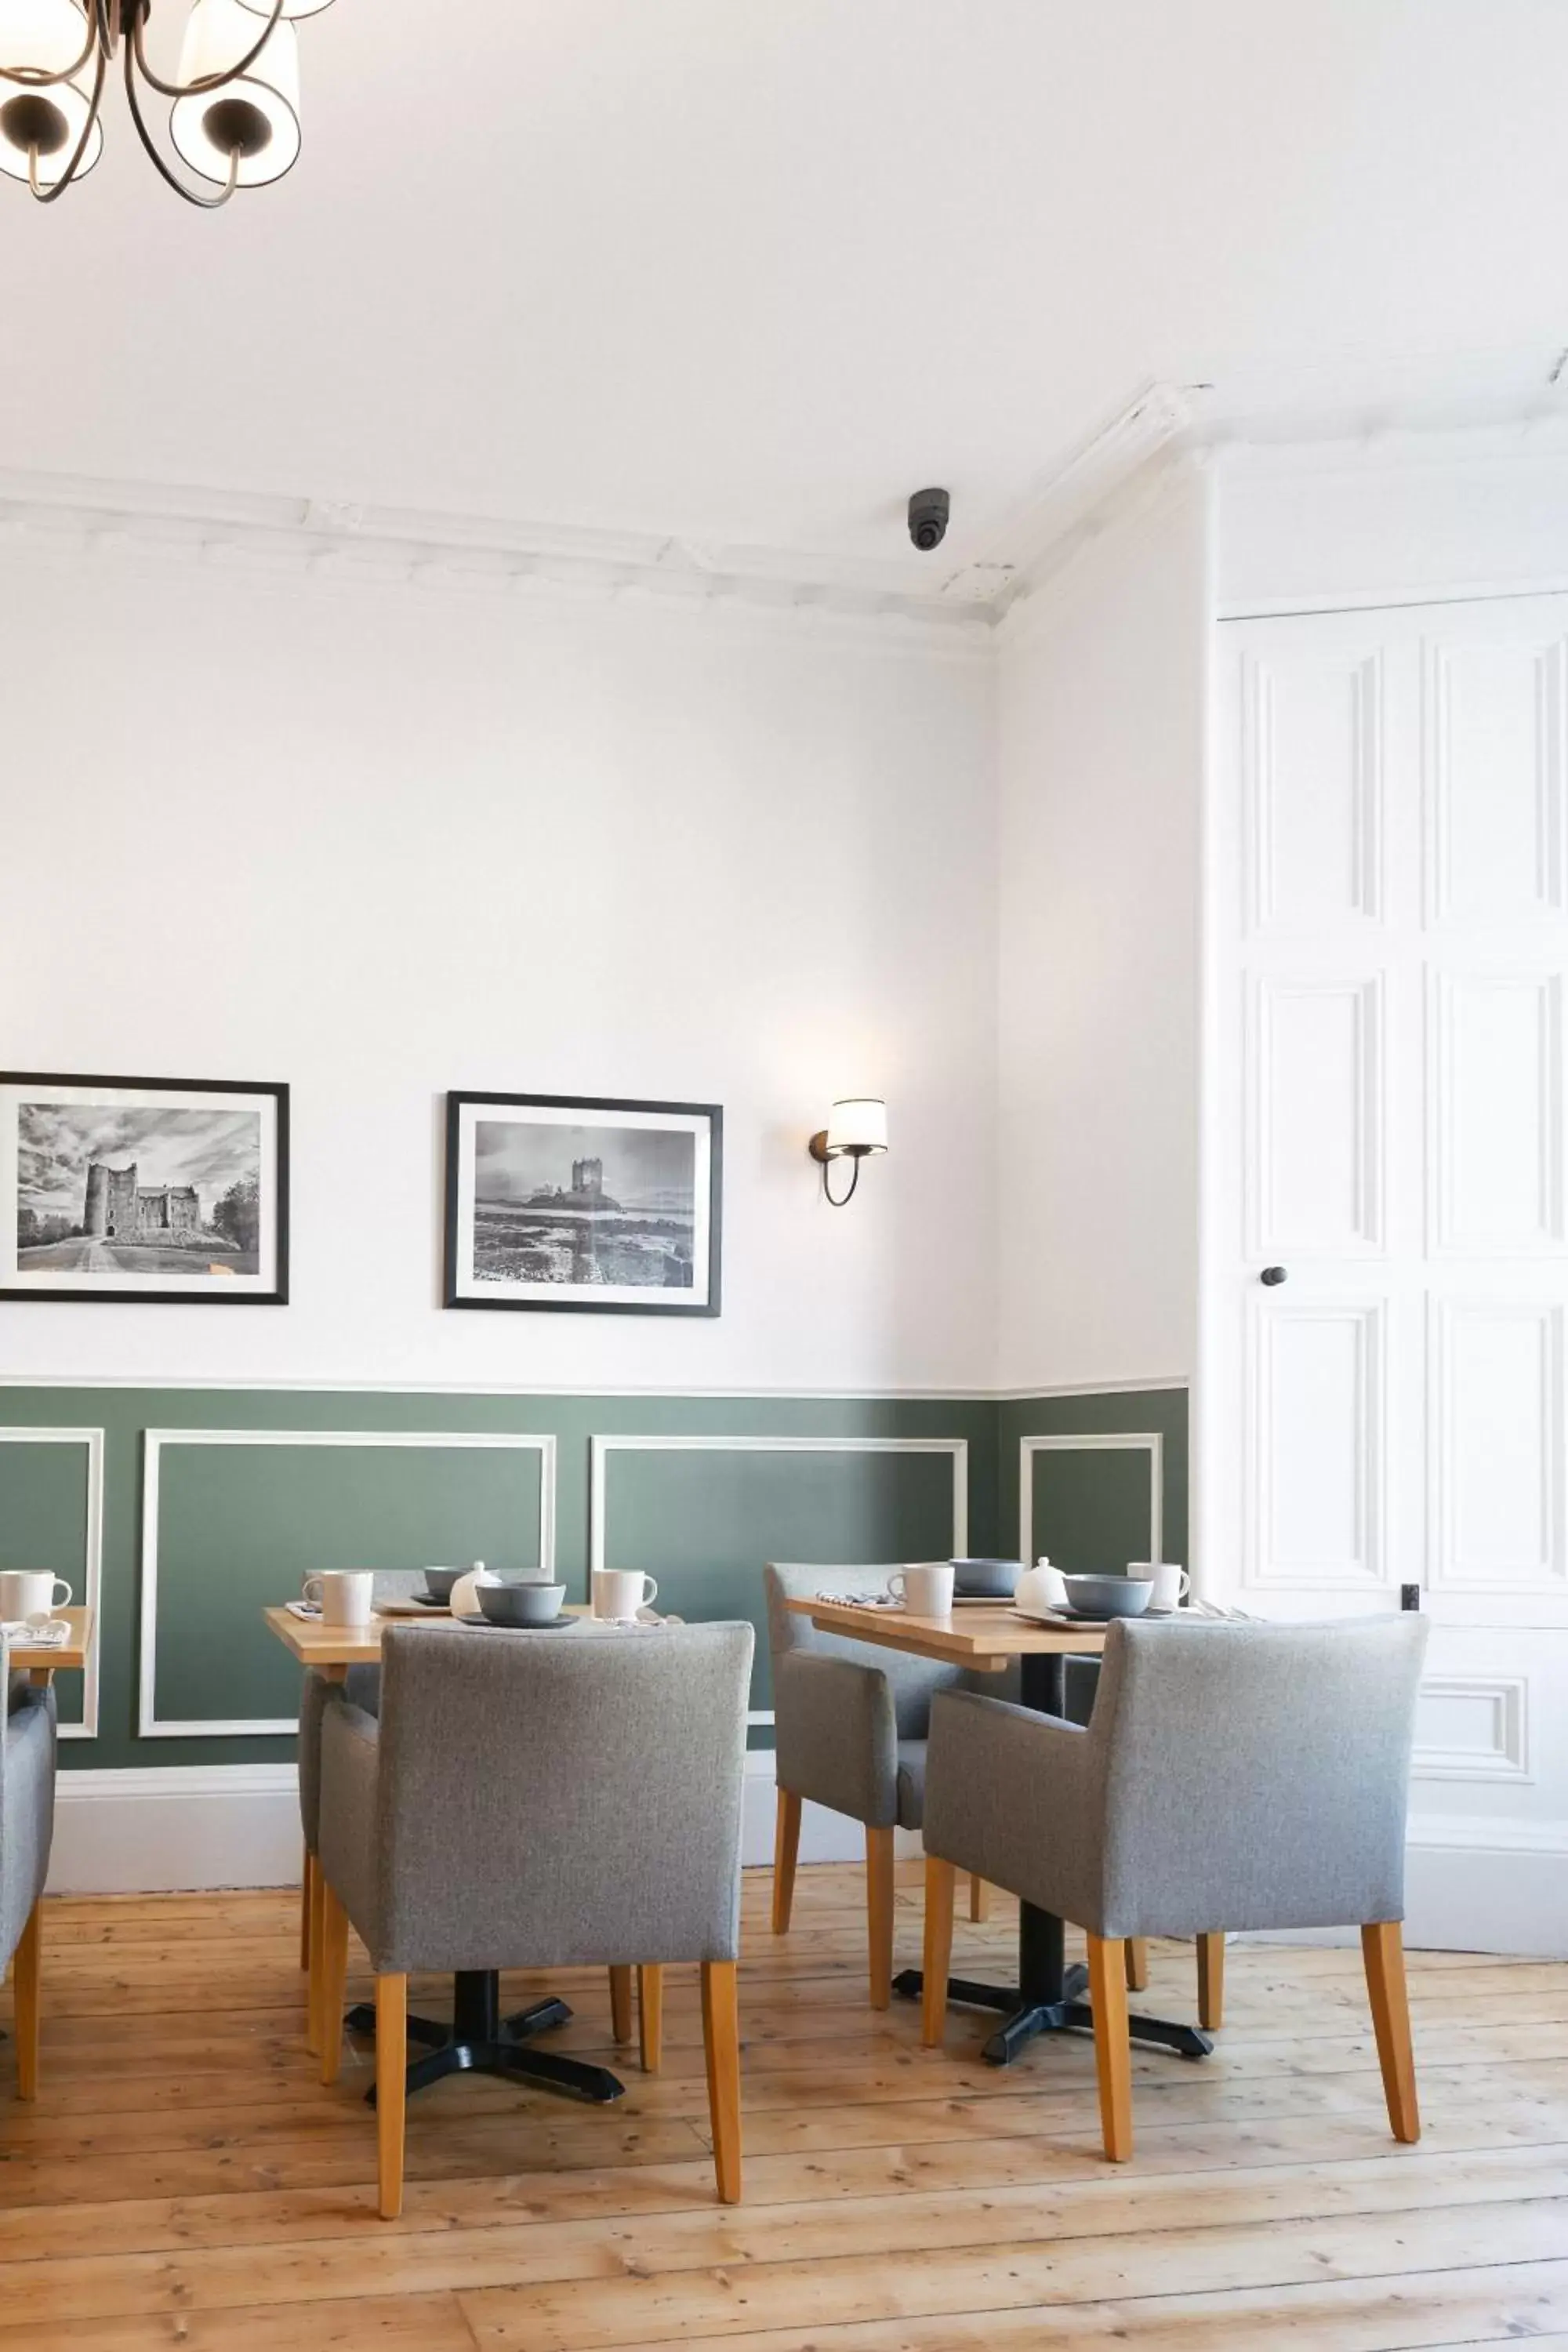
x=259, y=114
x=858, y=1124
x=290, y=7
x=48, y=34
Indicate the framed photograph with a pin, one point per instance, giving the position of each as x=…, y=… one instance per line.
x=574, y=1201
x=149, y=1190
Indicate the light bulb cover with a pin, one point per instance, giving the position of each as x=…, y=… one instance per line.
x=857, y=1126
x=45, y=36
x=259, y=114
x=292, y=9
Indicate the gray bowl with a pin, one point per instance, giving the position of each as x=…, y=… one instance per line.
x=1108, y=1596
x=439, y=1582
x=986, y=1580
x=521, y=1604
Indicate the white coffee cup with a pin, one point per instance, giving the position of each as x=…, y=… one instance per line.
x=925, y=1589
x=1171, y=1581
x=345, y=1595
x=31, y=1592
x=620, y=1592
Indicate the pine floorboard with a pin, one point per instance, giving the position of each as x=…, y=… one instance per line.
x=184, y=2179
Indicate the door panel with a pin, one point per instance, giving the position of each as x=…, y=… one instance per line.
x=1314, y=1168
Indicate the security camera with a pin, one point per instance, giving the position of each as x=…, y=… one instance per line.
x=928, y=519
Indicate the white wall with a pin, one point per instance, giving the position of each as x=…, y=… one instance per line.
x=1390, y=519
x=379, y=842
x=1102, y=696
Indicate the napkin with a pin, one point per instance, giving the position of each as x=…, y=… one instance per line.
x=52, y=1636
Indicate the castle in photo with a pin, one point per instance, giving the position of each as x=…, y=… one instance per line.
x=587, y=1189
x=118, y=1210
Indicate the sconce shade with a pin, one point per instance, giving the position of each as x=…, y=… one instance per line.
x=47, y=36
x=259, y=115
x=857, y=1124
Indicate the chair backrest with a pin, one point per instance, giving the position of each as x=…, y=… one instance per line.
x=913, y=1682
x=568, y=1798
x=1257, y=1776
x=26, y=1799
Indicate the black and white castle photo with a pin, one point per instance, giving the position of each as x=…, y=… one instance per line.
x=561, y=1200
x=140, y=1188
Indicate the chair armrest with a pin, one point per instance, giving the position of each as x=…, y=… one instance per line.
x=28, y=1813
x=835, y=1735
x=348, y=1828
x=1019, y=1798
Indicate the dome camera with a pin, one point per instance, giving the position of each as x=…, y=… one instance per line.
x=928, y=519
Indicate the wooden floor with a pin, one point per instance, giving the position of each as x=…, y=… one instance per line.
x=183, y=2179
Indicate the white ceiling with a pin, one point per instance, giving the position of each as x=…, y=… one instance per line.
x=748, y=271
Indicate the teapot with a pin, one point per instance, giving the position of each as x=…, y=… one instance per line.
x=1040, y=1590
x=465, y=1600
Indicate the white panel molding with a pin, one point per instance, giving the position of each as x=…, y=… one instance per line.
x=1446, y=1114
x=1502, y=1703
x=91, y=1591
x=150, y=1725
x=1259, y=780
x=1550, y=699
x=191, y=1828
x=1449, y=1572
x=1128, y=1440
x=1365, y=1569
x=1264, y=1237
x=602, y=1444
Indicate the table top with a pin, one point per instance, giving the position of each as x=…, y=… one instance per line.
x=340, y=1647
x=984, y=1638
x=36, y=1656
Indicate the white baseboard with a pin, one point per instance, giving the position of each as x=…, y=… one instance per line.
x=162, y=1831
x=1471, y=1887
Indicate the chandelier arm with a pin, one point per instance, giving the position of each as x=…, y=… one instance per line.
x=203, y=203
x=48, y=196
x=202, y=81
x=37, y=78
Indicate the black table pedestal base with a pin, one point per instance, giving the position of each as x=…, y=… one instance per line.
x=479, y=2041
x=1024, y=2021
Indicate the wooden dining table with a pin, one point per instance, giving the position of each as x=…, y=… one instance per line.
x=987, y=1638
x=479, y=2039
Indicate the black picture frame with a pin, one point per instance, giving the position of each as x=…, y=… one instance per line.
x=594, y=1110
x=183, y=1290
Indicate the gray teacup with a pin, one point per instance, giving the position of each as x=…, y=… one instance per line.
x=439, y=1582
x=522, y=1603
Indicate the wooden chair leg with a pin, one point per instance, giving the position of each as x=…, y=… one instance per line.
x=621, y=2003
x=1382, y=1950
x=27, y=1958
x=306, y=1876
x=1211, y=1981
x=1112, y=2050
x=786, y=1846
x=722, y=2049
x=1137, y=1963
x=313, y=1981
x=391, y=2091
x=332, y=1971
x=650, y=2017
x=879, y=1912
x=979, y=1900
x=938, y=1955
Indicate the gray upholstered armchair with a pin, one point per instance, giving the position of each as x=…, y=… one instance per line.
x=26, y=1831
x=361, y=1688
x=1231, y=1777
x=849, y=1733
x=530, y=1801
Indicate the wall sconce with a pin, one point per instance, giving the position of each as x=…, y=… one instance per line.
x=857, y=1128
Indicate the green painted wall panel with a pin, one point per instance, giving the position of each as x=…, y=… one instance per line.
x=242, y=1526
x=1091, y=1508
x=704, y=1522
x=43, y=1525
x=237, y=1548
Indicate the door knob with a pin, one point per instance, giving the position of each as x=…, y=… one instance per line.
x=1273, y=1274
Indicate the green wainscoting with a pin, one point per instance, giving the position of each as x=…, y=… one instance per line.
x=197, y=1535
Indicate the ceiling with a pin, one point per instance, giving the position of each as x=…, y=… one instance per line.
x=746, y=272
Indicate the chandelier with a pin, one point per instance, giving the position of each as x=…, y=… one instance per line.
x=234, y=119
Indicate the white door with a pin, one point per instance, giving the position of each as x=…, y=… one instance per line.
x=1387, y=926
